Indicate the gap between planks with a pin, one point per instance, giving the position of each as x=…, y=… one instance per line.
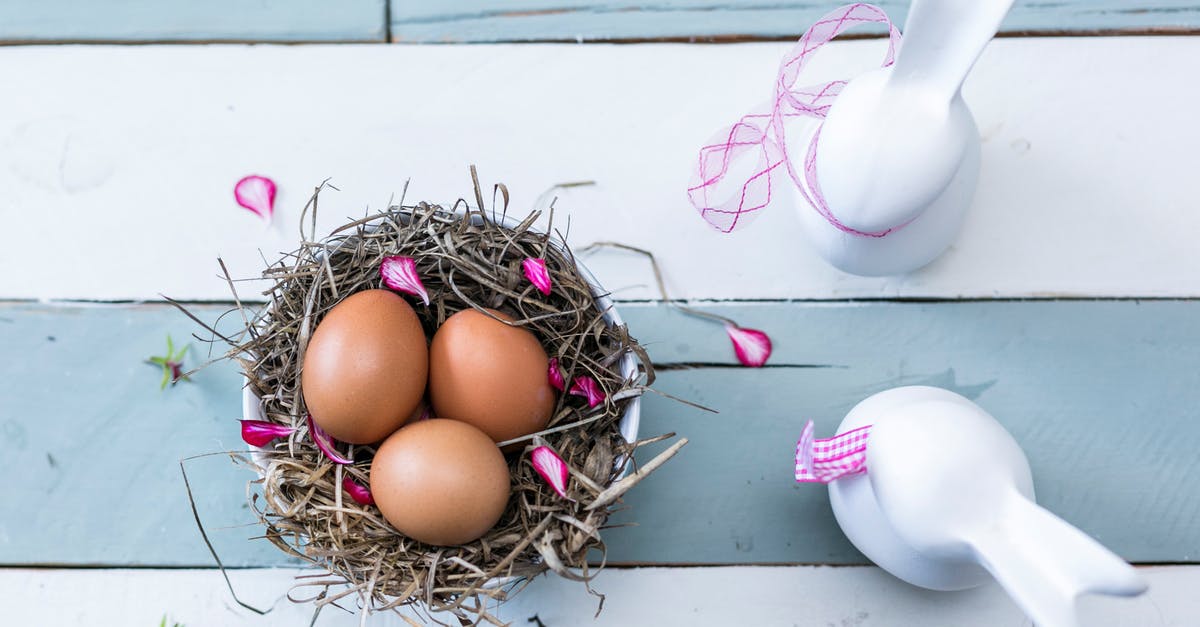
x=699, y=40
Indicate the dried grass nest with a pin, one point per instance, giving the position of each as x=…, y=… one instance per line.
x=466, y=258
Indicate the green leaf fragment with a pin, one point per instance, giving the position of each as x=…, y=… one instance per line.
x=170, y=362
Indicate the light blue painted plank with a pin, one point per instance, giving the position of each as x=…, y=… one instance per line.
x=192, y=20
x=96, y=445
x=598, y=20
x=1104, y=396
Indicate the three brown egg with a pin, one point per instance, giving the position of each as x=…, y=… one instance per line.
x=367, y=366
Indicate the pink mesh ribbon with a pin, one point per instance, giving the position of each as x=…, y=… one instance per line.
x=762, y=132
x=822, y=461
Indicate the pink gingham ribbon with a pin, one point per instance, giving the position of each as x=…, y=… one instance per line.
x=822, y=461
x=762, y=131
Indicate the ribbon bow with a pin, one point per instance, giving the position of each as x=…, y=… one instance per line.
x=823, y=461
x=763, y=131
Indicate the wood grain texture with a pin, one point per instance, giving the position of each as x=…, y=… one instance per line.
x=192, y=20
x=1080, y=194
x=601, y=20
x=801, y=596
x=1102, y=395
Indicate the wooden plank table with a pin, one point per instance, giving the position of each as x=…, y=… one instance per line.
x=1068, y=307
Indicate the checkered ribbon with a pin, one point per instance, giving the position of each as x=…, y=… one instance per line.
x=822, y=461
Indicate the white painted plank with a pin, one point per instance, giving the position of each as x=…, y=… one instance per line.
x=130, y=154
x=802, y=596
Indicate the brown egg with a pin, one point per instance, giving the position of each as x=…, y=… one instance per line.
x=440, y=482
x=491, y=375
x=365, y=367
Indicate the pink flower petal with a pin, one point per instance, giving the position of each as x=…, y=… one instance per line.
x=536, y=272
x=752, y=346
x=361, y=495
x=400, y=274
x=587, y=387
x=555, y=376
x=552, y=468
x=422, y=412
x=325, y=443
x=256, y=193
x=260, y=432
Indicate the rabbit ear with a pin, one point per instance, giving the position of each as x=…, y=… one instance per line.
x=1044, y=563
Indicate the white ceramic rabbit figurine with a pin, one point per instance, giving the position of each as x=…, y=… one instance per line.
x=947, y=498
x=899, y=151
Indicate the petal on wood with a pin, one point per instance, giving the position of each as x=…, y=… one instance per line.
x=256, y=193
x=752, y=346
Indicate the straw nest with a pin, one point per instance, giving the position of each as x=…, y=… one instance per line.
x=466, y=258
